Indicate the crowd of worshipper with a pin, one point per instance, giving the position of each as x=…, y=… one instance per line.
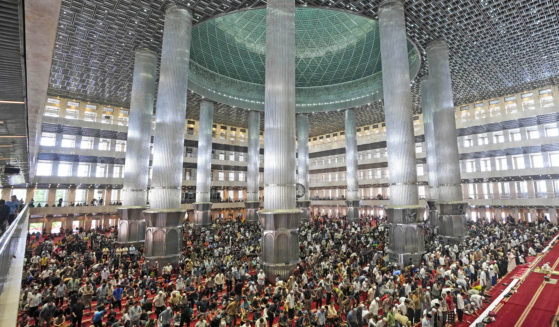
x=83, y=278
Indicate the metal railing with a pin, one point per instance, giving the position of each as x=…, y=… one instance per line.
x=12, y=253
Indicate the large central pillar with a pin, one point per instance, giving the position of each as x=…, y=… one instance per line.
x=352, y=199
x=427, y=107
x=404, y=213
x=132, y=226
x=451, y=203
x=165, y=217
x=203, y=205
x=252, y=203
x=280, y=218
x=303, y=202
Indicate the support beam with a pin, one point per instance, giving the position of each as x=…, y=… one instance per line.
x=252, y=203
x=427, y=107
x=404, y=213
x=352, y=199
x=303, y=202
x=203, y=205
x=280, y=218
x=164, y=219
x=451, y=204
x=132, y=225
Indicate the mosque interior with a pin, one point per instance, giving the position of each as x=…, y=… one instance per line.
x=397, y=132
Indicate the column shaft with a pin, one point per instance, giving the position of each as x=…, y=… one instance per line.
x=163, y=238
x=452, y=208
x=168, y=146
x=132, y=225
x=352, y=199
x=202, y=207
x=303, y=202
x=404, y=214
x=252, y=203
x=280, y=218
x=430, y=141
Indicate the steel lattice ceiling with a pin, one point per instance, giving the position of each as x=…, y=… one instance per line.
x=497, y=47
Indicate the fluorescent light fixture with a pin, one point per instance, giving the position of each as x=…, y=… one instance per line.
x=11, y=102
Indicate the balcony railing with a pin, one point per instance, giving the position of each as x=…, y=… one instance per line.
x=12, y=252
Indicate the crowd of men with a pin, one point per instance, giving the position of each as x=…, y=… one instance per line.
x=343, y=279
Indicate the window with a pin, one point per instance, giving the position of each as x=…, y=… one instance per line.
x=518, y=162
x=221, y=156
x=61, y=194
x=40, y=196
x=122, y=121
x=104, y=144
x=51, y=111
x=498, y=137
x=101, y=170
x=48, y=139
x=115, y=195
x=420, y=170
x=485, y=164
x=470, y=166
x=86, y=143
x=554, y=159
x=117, y=171
x=120, y=146
x=231, y=156
x=468, y=142
x=20, y=193
x=515, y=135
x=504, y=189
x=528, y=102
x=241, y=176
x=541, y=188
x=231, y=176
x=68, y=141
x=220, y=176
x=44, y=168
x=71, y=114
x=222, y=132
x=551, y=130
x=510, y=107
x=533, y=133
x=472, y=191
x=81, y=196
x=536, y=160
x=546, y=99
x=65, y=169
x=482, y=139
x=83, y=170
x=501, y=163
x=418, y=148
x=89, y=116
x=107, y=119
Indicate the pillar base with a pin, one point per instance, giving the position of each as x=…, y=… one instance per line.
x=434, y=221
x=163, y=240
x=280, y=243
x=252, y=208
x=353, y=210
x=305, y=207
x=202, y=213
x=131, y=225
x=406, y=234
x=452, y=221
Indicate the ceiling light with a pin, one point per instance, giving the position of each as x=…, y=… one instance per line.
x=11, y=102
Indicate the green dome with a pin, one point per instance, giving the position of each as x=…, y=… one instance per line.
x=337, y=59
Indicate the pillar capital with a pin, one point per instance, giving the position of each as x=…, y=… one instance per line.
x=391, y=3
x=437, y=45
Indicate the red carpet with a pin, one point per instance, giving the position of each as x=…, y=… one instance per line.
x=535, y=302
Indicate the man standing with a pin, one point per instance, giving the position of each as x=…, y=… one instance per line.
x=77, y=314
x=13, y=205
x=460, y=306
x=135, y=312
x=166, y=317
x=4, y=215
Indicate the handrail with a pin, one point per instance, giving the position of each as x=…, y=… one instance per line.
x=12, y=252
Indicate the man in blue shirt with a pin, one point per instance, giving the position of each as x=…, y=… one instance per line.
x=117, y=297
x=13, y=205
x=97, y=319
